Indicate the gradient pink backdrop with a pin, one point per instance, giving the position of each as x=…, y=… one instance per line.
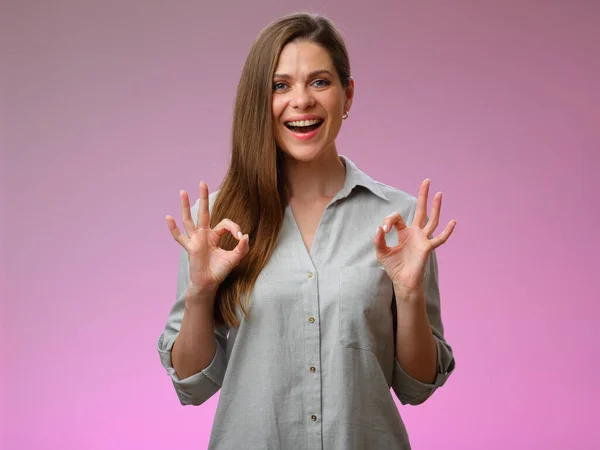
x=109, y=108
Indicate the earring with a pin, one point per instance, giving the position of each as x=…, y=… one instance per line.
x=345, y=116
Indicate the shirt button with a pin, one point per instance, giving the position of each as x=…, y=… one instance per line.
x=313, y=417
x=311, y=319
x=310, y=274
x=313, y=369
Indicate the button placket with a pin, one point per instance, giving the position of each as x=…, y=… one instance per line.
x=313, y=391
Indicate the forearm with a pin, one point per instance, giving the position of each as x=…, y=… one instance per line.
x=416, y=349
x=195, y=345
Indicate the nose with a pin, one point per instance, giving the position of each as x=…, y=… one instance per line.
x=302, y=99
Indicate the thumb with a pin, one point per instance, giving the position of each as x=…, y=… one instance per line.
x=241, y=249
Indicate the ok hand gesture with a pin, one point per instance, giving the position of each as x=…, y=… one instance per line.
x=405, y=262
x=209, y=264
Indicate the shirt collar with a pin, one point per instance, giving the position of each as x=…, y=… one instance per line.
x=356, y=177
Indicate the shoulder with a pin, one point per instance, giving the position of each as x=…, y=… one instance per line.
x=388, y=196
x=397, y=195
x=398, y=200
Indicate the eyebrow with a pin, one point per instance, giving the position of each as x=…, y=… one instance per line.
x=314, y=73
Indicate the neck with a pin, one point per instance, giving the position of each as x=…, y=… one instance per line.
x=317, y=179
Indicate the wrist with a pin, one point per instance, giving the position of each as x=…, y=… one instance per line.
x=411, y=294
x=199, y=298
x=199, y=310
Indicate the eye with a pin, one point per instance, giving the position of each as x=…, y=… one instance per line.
x=321, y=83
x=278, y=86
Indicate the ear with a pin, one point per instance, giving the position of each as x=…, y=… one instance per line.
x=349, y=95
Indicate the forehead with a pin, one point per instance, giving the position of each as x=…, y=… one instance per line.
x=301, y=57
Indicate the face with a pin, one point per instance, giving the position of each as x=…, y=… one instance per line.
x=308, y=101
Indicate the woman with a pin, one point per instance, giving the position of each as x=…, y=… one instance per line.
x=293, y=297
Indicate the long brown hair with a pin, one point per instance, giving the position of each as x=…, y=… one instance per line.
x=253, y=193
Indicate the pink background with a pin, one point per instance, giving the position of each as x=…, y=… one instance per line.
x=109, y=108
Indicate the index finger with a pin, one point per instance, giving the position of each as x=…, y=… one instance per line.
x=203, y=214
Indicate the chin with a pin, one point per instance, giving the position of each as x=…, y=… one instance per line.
x=302, y=154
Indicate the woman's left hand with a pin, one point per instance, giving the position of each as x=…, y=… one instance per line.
x=405, y=262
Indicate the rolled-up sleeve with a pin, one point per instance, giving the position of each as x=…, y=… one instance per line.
x=408, y=389
x=197, y=388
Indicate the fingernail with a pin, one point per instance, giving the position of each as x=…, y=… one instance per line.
x=377, y=229
x=385, y=228
x=240, y=234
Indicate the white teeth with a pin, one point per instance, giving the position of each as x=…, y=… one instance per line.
x=303, y=123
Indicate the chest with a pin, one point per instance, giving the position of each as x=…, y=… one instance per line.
x=307, y=217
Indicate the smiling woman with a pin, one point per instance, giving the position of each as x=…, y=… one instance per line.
x=288, y=300
x=304, y=81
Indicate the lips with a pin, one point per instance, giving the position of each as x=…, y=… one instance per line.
x=303, y=126
x=303, y=117
x=305, y=133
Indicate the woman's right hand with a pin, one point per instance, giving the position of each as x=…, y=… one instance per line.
x=209, y=264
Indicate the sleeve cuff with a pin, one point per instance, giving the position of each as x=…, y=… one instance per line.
x=197, y=388
x=409, y=390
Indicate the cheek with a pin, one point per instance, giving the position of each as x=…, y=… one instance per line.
x=335, y=126
x=277, y=107
x=335, y=121
x=335, y=107
x=335, y=110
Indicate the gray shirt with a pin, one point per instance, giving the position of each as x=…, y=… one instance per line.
x=314, y=366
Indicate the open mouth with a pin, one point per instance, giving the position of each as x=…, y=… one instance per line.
x=304, y=126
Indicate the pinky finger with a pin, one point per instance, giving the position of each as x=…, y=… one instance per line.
x=444, y=235
x=175, y=231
